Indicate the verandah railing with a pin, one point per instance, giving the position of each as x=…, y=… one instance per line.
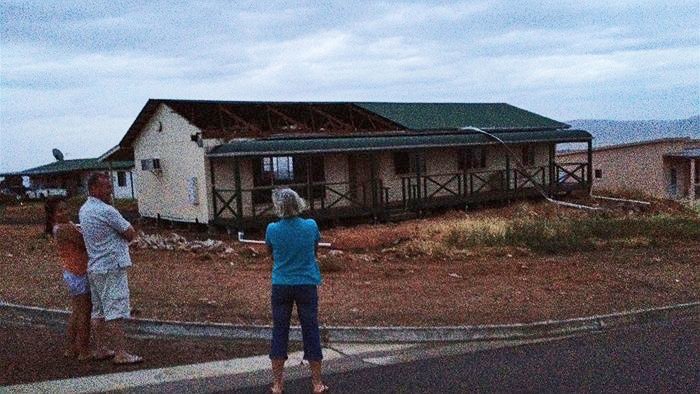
x=373, y=198
x=499, y=183
x=355, y=198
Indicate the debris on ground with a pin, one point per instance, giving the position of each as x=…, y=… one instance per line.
x=178, y=242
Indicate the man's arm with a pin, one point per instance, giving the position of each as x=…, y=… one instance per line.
x=121, y=225
x=129, y=234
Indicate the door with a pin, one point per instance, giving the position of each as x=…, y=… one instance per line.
x=673, y=183
x=359, y=175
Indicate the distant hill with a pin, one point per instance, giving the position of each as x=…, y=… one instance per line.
x=608, y=132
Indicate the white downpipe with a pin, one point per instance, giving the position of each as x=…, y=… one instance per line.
x=524, y=171
x=255, y=241
x=647, y=203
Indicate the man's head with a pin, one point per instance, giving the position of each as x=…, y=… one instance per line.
x=100, y=186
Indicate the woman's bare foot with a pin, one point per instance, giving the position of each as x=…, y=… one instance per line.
x=126, y=358
x=320, y=388
x=102, y=354
x=277, y=388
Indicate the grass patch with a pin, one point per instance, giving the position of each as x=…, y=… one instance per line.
x=560, y=235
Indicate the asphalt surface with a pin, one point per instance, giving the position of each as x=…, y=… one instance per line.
x=656, y=357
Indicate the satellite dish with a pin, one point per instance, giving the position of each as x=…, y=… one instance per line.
x=57, y=154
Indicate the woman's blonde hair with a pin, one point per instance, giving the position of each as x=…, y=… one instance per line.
x=287, y=203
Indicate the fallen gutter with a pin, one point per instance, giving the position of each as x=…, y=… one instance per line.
x=647, y=203
x=523, y=171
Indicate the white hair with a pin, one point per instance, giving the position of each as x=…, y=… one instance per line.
x=287, y=203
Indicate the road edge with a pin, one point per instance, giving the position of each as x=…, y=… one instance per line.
x=21, y=314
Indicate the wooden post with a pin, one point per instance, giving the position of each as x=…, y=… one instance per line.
x=507, y=174
x=111, y=179
x=213, y=188
x=589, y=167
x=131, y=182
x=551, y=169
x=373, y=179
x=691, y=184
x=419, y=157
x=464, y=174
x=239, y=193
x=309, y=189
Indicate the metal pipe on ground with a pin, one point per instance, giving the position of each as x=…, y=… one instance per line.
x=259, y=242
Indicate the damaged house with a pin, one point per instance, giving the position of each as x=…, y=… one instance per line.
x=217, y=162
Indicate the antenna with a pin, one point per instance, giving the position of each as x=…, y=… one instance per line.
x=57, y=154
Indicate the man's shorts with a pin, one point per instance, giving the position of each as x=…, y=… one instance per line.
x=110, y=295
x=77, y=284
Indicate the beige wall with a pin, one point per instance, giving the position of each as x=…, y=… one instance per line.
x=166, y=194
x=639, y=167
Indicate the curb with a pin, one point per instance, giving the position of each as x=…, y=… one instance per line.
x=339, y=334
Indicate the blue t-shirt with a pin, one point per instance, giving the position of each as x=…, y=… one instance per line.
x=293, y=242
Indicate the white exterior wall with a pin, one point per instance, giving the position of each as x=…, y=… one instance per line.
x=126, y=190
x=166, y=194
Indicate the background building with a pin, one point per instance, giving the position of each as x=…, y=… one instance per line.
x=662, y=168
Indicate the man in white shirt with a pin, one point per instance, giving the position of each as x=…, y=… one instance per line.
x=107, y=235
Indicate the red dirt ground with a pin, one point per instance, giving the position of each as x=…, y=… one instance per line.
x=378, y=279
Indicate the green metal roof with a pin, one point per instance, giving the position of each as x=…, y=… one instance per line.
x=64, y=166
x=487, y=116
x=293, y=146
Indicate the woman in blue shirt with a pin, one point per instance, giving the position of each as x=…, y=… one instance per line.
x=295, y=276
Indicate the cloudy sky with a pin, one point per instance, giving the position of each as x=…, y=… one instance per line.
x=75, y=74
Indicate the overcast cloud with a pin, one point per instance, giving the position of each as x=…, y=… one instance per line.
x=74, y=75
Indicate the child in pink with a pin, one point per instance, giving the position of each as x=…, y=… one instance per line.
x=74, y=259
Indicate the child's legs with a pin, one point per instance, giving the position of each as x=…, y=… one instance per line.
x=71, y=346
x=81, y=311
x=76, y=285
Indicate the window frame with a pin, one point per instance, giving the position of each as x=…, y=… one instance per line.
x=266, y=168
x=408, y=161
x=475, y=158
x=121, y=178
x=528, y=157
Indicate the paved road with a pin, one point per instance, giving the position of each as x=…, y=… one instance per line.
x=658, y=357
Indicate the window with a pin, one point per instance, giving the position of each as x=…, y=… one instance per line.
x=472, y=158
x=279, y=168
x=285, y=170
x=121, y=178
x=598, y=173
x=406, y=163
x=528, y=158
x=150, y=164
